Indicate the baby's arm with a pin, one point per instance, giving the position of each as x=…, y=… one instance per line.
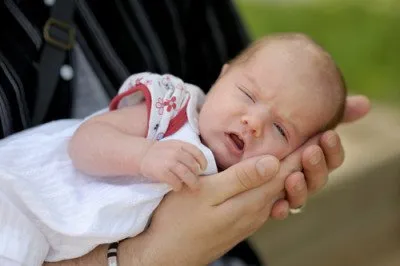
x=114, y=144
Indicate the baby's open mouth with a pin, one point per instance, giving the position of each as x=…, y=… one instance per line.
x=237, y=140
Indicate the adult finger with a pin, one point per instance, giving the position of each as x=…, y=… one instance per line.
x=250, y=209
x=333, y=149
x=315, y=168
x=280, y=210
x=296, y=190
x=357, y=106
x=241, y=177
x=293, y=162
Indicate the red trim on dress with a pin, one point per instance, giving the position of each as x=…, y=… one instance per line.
x=139, y=87
x=177, y=122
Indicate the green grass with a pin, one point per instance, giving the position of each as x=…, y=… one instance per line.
x=363, y=40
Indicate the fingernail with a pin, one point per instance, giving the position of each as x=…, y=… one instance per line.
x=299, y=187
x=267, y=165
x=315, y=158
x=332, y=141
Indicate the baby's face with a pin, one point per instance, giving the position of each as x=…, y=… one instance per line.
x=264, y=106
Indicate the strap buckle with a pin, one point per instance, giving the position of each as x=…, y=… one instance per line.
x=64, y=44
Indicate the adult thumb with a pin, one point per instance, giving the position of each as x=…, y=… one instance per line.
x=241, y=177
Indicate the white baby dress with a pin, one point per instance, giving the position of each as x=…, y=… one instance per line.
x=50, y=211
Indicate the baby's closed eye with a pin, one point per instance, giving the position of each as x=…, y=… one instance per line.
x=247, y=93
x=280, y=130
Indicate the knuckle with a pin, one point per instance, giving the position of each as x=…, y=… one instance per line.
x=243, y=178
x=246, y=180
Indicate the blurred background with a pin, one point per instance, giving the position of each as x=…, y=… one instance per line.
x=356, y=219
x=361, y=35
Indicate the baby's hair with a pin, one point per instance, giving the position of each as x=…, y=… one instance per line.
x=330, y=73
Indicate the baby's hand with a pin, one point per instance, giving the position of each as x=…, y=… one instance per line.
x=174, y=162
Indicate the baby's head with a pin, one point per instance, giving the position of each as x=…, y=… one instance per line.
x=279, y=92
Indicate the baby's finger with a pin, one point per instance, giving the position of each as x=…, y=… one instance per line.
x=197, y=154
x=186, y=175
x=190, y=162
x=173, y=180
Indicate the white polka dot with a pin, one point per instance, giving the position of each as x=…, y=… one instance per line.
x=66, y=72
x=49, y=2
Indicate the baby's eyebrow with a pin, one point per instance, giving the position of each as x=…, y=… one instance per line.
x=253, y=81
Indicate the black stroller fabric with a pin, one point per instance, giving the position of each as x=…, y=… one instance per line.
x=191, y=39
x=188, y=38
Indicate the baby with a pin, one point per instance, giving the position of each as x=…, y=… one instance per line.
x=84, y=183
x=269, y=100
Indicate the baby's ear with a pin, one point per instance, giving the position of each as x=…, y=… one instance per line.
x=224, y=69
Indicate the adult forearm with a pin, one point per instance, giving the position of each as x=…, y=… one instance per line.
x=131, y=252
x=97, y=257
x=100, y=149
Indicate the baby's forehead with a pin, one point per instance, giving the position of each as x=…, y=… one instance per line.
x=303, y=64
x=293, y=54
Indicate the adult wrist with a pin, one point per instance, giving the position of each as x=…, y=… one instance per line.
x=142, y=251
x=131, y=252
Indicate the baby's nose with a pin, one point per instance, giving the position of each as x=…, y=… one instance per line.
x=253, y=125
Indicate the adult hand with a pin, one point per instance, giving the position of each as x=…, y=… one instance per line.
x=195, y=228
x=316, y=159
